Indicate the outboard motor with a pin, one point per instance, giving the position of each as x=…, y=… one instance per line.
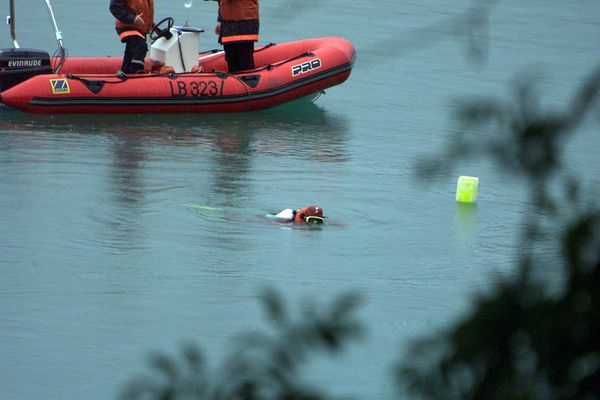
x=18, y=65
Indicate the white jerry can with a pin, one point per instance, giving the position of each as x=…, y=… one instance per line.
x=179, y=52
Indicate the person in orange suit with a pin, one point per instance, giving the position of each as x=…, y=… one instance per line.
x=134, y=20
x=237, y=27
x=308, y=215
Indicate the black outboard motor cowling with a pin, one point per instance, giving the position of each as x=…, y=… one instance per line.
x=18, y=65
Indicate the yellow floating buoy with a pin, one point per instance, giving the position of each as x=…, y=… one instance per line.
x=466, y=189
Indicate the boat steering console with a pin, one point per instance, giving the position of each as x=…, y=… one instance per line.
x=158, y=32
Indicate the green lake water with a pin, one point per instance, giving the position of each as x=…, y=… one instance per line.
x=125, y=235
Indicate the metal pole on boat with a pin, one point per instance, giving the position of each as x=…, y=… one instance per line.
x=10, y=20
x=58, y=35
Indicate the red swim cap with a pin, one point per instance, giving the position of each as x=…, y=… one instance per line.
x=310, y=211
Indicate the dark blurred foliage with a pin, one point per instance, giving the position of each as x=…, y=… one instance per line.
x=521, y=340
x=261, y=365
x=524, y=340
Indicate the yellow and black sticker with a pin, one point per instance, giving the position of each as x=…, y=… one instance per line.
x=60, y=86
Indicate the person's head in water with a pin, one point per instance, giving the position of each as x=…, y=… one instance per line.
x=309, y=215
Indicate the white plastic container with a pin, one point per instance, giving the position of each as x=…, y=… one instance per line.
x=179, y=52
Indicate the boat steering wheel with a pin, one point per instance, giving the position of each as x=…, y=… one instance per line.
x=157, y=32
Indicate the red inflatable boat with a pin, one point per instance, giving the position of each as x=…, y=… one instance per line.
x=284, y=72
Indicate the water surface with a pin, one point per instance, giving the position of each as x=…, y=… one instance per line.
x=123, y=235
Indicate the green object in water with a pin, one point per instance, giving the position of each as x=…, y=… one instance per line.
x=209, y=212
x=466, y=189
x=203, y=208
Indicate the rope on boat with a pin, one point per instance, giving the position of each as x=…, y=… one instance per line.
x=174, y=75
x=96, y=85
x=225, y=75
x=214, y=51
x=271, y=66
x=60, y=55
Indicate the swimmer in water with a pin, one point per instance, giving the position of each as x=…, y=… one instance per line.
x=307, y=215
